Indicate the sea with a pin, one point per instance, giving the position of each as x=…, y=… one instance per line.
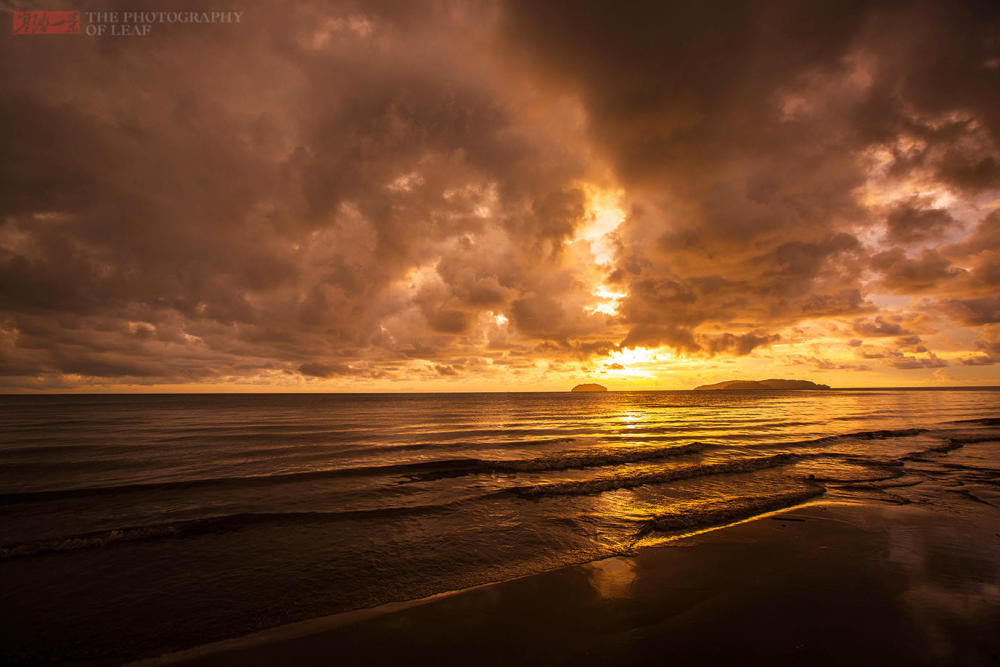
x=136, y=525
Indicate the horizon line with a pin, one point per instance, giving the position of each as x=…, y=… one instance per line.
x=431, y=393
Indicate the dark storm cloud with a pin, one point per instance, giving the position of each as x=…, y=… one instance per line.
x=985, y=310
x=908, y=222
x=988, y=348
x=739, y=345
x=895, y=357
x=911, y=363
x=910, y=343
x=321, y=370
x=341, y=189
x=744, y=131
x=903, y=274
x=879, y=326
x=265, y=191
x=678, y=338
x=827, y=365
x=980, y=251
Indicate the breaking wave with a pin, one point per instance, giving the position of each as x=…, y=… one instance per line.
x=629, y=481
x=727, y=511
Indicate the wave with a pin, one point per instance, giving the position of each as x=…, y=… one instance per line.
x=882, y=434
x=577, y=459
x=417, y=471
x=846, y=483
x=75, y=448
x=971, y=496
x=950, y=446
x=205, y=526
x=583, y=487
x=250, y=480
x=985, y=421
x=727, y=511
x=457, y=444
x=295, y=446
x=430, y=470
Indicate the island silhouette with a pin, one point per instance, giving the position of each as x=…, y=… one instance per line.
x=761, y=384
x=589, y=387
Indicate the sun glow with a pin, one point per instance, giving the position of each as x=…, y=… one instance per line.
x=604, y=215
x=638, y=362
x=641, y=355
x=609, y=301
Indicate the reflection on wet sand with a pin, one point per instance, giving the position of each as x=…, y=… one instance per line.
x=826, y=584
x=953, y=568
x=612, y=577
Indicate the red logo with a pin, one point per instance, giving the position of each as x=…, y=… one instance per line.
x=46, y=23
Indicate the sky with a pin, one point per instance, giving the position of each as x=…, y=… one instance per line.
x=503, y=196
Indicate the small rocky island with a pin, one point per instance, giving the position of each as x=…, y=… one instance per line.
x=760, y=384
x=589, y=387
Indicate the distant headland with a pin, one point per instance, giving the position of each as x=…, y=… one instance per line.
x=589, y=387
x=761, y=384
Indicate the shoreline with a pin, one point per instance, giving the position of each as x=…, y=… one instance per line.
x=821, y=583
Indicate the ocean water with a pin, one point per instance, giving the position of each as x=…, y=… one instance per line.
x=135, y=525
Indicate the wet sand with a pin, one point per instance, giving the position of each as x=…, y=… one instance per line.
x=823, y=584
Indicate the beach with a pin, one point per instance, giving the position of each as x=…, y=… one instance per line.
x=824, y=584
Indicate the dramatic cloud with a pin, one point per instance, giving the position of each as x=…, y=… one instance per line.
x=503, y=194
x=907, y=223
